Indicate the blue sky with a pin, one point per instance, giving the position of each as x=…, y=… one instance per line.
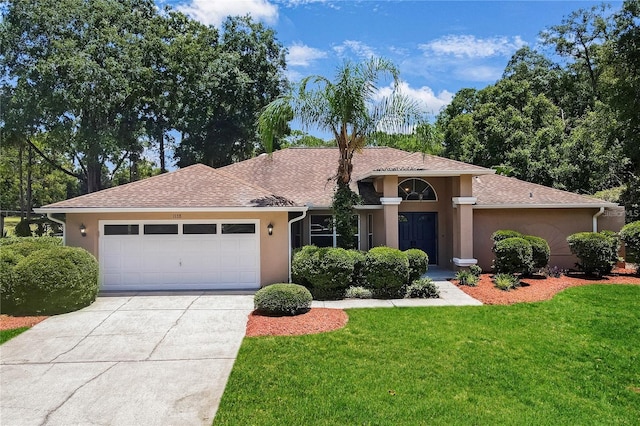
x=439, y=46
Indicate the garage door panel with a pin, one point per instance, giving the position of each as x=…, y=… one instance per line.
x=190, y=261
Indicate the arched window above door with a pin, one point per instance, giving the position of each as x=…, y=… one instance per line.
x=416, y=189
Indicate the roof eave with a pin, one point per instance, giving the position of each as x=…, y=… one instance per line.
x=546, y=206
x=45, y=210
x=426, y=173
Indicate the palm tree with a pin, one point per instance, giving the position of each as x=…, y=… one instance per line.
x=351, y=108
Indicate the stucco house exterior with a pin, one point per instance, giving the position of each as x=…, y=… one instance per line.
x=235, y=227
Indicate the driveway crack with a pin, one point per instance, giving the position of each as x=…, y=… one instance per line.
x=46, y=419
x=175, y=323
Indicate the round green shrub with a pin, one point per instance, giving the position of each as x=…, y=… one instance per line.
x=597, y=252
x=327, y=272
x=475, y=270
x=630, y=234
x=503, y=234
x=423, y=288
x=282, y=299
x=418, y=263
x=54, y=281
x=387, y=271
x=22, y=229
x=27, y=245
x=540, y=251
x=513, y=255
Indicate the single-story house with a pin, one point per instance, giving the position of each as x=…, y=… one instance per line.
x=235, y=227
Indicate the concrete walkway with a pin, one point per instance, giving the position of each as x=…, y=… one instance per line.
x=144, y=360
x=450, y=295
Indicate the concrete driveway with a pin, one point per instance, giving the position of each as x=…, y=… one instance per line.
x=133, y=360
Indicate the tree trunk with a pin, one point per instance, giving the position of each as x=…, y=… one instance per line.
x=163, y=168
x=29, y=201
x=345, y=167
x=21, y=180
x=133, y=169
x=94, y=176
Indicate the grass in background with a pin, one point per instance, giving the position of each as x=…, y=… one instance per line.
x=571, y=360
x=10, y=334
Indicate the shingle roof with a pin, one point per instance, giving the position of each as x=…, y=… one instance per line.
x=304, y=175
x=419, y=162
x=196, y=186
x=496, y=190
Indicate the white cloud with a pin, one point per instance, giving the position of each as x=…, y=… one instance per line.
x=357, y=48
x=479, y=73
x=469, y=46
x=214, y=12
x=425, y=96
x=301, y=55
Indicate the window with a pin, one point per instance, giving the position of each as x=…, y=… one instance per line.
x=323, y=233
x=238, y=228
x=198, y=228
x=161, y=229
x=416, y=190
x=121, y=229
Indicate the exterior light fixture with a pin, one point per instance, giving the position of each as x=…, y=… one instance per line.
x=270, y=228
x=83, y=230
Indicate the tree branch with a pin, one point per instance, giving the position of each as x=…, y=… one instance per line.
x=50, y=161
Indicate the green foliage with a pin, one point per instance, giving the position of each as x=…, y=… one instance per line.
x=358, y=292
x=597, y=252
x=423, y=288
x=513, y=255
x=387, y=271
x=6, y=335
x=41, y=242
x=503, y=234
x=630, y=234
x=327, y=272
x=23, y=229
x=52, y=281
x=8, y=261
x=342, y=208
x=283, y=299
x=475, y=270
x=506, y=282
x=540, y=251
x=418, y=263
x=465, y=277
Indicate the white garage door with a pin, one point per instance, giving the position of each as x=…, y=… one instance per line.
x=179, y=255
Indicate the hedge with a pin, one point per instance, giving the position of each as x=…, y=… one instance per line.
x=418, y=263
x=387, y=272
x=540, y=251
x=597, y=252
x=51, y=281
x=630, y=234
x=513, y=255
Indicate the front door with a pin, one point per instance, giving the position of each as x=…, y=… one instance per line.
x=419, y=230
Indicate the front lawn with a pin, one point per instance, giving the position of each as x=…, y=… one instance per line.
x=571, y=360
x=11, y=333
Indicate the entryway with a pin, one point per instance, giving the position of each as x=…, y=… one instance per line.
x=419, y=230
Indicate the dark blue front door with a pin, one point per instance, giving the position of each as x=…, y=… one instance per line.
x=419, y=230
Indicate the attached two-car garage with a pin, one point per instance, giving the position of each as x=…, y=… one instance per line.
x=179, y=255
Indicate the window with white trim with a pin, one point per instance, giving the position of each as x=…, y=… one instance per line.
x=323, y=233
x=415, y=189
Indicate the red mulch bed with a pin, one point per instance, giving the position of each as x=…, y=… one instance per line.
x=7, y=322
x=317, y=320
x=537, y=289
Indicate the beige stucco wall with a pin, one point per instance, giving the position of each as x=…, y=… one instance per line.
x=554, y=225
x=274, y=266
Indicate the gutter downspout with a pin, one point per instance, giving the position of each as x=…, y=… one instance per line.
x=595, y=219
x=295, y=219
x=64, y=227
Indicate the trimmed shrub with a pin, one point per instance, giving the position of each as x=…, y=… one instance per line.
x=423, y=288
x=506, y=282
x=22, y=229
x=54, y=281
x=597, y=252
x=418, y=263
x=503, y=234
x=24, y=246
x=465, y=277
x=630, y=234
x=358, y=278
x=475, y=270
x=387, y=271
x=282, y=299
x=513, y=255
x=327, y=272
x=8, y=260
x=540, y=251
x=358, y=292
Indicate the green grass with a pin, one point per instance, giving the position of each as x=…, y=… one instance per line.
x=10, y=334
x=572, y=360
